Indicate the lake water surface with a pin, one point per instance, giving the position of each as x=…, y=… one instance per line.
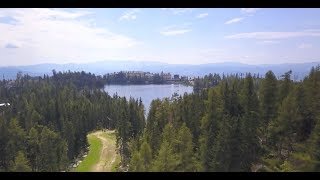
x=148, y=92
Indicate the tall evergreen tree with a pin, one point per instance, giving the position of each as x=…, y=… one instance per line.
x=146, y=156
x=249, y=124
x=21, y=163
x=185, y=149
x=210, y=128
x=282, y=129
x=315, y=145
x=268, y=98
x=166, y=160
x=285, y=86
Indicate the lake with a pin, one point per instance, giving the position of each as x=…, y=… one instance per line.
x=148, y=92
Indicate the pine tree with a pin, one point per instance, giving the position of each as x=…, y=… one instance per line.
x=315, y=146
x=16, y=140
x=146, y=156
x=53, y=151
x=185, y=149
x=123, y=133
x=285, y=86
x=305, y=120
x=169, y=134
x=249, y=125
x=282, y=129
x=136, y=164
x=209, y=128
x=21, y=163
x=268, y=98
x=166, y=161
x=33, y=149
x=221, y=151
x=3, y=143
x=153, y=128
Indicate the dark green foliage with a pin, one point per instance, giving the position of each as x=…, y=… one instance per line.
x=210, y=128
x=146, y=155
x=268, y=98
x=315, y=145
x=166, y=159
x=136, y=164
x=141, y=159
x=285, y=85
x=139, y=78
x=21, y=163
x=206, y=82
x=186, y=156
x=249, y=125
x=49, y=118
x=233, y=123
x=237, y=123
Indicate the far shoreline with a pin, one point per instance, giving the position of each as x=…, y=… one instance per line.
x=166, y=83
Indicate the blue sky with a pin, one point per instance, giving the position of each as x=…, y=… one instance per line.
x=171, y=35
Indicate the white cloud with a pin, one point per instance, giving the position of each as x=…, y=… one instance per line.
x=249, y=10
x=275, y=35
x=129, y=14
x=175, y=30
x=178, y=10
x=234, y=20
x=305, y=46
x=202, y=15
x=268, y=42
x=43, y=13
x=56, y=34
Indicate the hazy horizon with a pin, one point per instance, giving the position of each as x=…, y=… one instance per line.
x=145, y=61
x=166, y=35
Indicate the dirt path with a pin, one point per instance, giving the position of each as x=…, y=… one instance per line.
x=108, y=152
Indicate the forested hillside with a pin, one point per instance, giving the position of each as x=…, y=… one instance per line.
x=46, y=124
x=237, y=124
x=230, y=123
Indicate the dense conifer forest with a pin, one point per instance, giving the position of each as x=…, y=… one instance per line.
x=229, y=123
x=234, y=124
x=159, y=90
x=45, y=126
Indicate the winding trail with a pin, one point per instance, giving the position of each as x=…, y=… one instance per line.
x=102, y=155
x=108, y=152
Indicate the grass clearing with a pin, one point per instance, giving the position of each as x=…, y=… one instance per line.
x=93, y=155
x=102, y=156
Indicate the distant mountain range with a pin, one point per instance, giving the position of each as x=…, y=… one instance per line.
x=300, y=70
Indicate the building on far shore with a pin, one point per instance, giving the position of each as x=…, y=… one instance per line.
x=165, y=76
x=184, y=78
x=149, y=76
x=134, y=73
x=176, y=77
